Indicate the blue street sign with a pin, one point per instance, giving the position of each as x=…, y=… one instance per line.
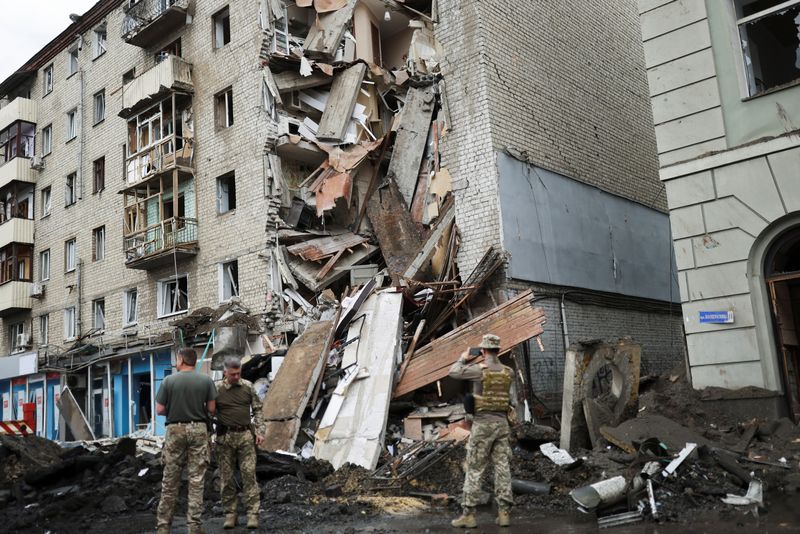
x=716, y=317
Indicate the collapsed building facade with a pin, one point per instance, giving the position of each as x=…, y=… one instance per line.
x=723, y=82
x=265, y=160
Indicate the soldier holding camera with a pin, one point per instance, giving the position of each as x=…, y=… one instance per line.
x=492, y=384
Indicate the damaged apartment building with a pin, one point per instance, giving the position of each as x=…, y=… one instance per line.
x=221, y=175
x=724, y=89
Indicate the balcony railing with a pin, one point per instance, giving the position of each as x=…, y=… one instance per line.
x=177, y=234
x=149, y=20
x=168, y=153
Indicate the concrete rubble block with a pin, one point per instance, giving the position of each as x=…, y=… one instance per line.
x=615, y=366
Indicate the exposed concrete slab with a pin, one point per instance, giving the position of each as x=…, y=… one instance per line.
x=687, y=222
x=684, y=101
x=718, y=281
x=784, y=167
x=724, y=346
x=741, y=305
x=729, y=375
x=722, y=247
x=751, y=182
x=683, y=71
x=582, y=414
x=684, y=258
x=730, y=212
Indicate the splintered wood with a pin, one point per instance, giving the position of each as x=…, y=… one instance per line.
x=514, y=321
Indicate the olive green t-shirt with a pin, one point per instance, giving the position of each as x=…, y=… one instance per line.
x=185, y=395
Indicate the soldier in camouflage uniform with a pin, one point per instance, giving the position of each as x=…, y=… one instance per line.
x=185, y=398
x=239, y=430
x=489, y=438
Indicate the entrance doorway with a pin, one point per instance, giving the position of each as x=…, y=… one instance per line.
x=782, y=274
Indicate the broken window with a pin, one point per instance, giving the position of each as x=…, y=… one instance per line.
x=72, y=61
x=19, y=139
x=222, y=28
x=130, y=307
x=99, y=106
x=47, y=201
x=16, y=336
x=172, y=49
x=44, y=265
x=99, y=175
x=100, y=38
x=99, y=314
x=769, y=32
x=47, y=139
x=229, y=280
x=70, y=323
x=226, y=193
x=173, y=295
x=223, y=108
x=129, y=76
x=72, y=124
x=44, y=329
x=69, y=255
x=48, y=79
x=71, y=190
x=16, y=263
x=99, y=243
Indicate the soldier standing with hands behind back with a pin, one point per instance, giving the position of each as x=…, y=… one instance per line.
x=239, y=430
x=493, y=390
x=186, y=398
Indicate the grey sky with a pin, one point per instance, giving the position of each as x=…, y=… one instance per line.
x=27, y=25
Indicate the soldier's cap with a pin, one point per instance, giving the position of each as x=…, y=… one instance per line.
x=490, y=341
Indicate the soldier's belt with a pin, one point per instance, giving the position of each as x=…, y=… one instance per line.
x=184, y=423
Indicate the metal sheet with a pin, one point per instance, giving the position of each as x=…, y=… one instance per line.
x=560, y=231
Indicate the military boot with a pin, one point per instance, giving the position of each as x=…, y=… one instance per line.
x=466, y=520
x=503, y=518
x=252, y=521
x=230, y=521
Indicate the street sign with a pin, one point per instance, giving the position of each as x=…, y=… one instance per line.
x=716, y=317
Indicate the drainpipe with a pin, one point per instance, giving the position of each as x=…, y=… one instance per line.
x=82, y=135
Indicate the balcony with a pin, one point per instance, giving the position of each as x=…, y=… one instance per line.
x=148, y=21
x=15, y=297
x=162, y=243
x=19, y=109
x=171, y=74
x=17, y=170
x=16, y=230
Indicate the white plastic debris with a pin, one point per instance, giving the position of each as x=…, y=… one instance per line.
x=558, y=456
x=143, y=471
x=754, y=495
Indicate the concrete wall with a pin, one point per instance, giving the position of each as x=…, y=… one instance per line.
x=236, y=234
x=563, y=232
x=722, y=208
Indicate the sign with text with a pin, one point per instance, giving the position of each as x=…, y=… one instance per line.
x=716, y=317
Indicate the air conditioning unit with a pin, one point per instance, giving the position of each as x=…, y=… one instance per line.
x=37, y=163
x=76, y=381
x=23, y=341
x=37, y=290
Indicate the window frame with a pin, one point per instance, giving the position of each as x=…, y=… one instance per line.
x=218, y=27
x=72, y=124
x=98, y=174
x=71, y=192
x=14, y=331
x=44, y=329
x=223, y=109
x=102, y=98
x=67, y=267
x=42, y=263
x=99, y=49
x=126, y=309
x=47, y=202
x=99, y=305
x=72, y=61
x=48, y=80
x=231, y=176
x=47, y=135
x=73, y=324
x=98, y=251
x=223, y=272
x=161, y=286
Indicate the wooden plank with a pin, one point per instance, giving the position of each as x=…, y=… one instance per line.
x=411, y=139
x=325, y=35
x=290, y=80
x=339, y=109
x=514, y=321
x=429, y=247
x=289, y=393
x=318, y=249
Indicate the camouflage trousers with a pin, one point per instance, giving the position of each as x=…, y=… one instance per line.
x=185, y=445
x=488, y=440
x=233, y=448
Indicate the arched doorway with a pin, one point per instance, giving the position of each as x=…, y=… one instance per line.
x=782, y=276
